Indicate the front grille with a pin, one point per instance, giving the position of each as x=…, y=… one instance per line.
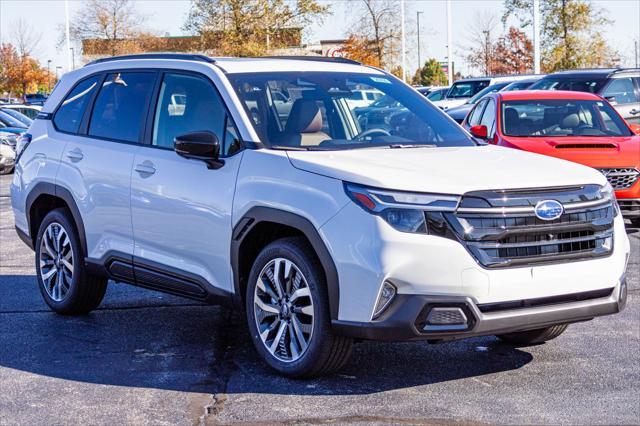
x=622, y=178
x=512, y=235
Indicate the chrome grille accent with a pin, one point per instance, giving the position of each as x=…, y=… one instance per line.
x=621, y=178
x=514, y=236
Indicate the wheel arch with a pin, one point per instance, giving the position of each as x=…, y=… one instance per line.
x=45, y=197
x=283, y=224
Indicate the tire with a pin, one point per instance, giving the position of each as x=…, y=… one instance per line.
x=533, y=337
x=306, y=347
x=80, y=292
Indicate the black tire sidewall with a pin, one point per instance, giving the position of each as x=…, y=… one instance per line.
x=66, y=305
x=314, y=355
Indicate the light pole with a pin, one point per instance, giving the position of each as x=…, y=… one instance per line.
x=73, y=59
x=418, y=23
x=49, y=75
x=404, y=52
x=57, y=68
x=536, y=36
x=449, y=46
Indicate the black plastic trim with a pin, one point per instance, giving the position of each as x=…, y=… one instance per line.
x=24, y=237
x=156, y=276
x=544, y=301
x=46, y=188
x=260, y=214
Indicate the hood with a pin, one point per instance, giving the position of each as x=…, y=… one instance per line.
x=450, y=103
x=445, y=170
x=591, y=151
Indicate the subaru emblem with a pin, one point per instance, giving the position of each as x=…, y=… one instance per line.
x=548, y=210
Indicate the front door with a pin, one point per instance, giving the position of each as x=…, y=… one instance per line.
x=181, y=210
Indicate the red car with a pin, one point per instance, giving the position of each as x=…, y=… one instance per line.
x=575, y=126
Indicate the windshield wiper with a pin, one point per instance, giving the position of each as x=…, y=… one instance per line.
x=411, y=145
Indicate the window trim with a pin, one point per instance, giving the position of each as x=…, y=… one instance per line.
x=147, y=140
x=89, y=105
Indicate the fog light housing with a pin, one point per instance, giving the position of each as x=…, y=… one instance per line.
x=386, y=295
x=446, y=319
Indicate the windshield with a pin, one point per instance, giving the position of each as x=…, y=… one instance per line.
x=319, y=113
x=9, y=121
x=489, y=89
x=466, y=89
x=560, y=117
x=587, y=84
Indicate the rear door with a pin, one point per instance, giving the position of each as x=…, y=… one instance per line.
x=622, y=94
x=97, y=159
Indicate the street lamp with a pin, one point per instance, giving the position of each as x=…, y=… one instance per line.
x=73, y=59
x=418, y=23
x=49, y=75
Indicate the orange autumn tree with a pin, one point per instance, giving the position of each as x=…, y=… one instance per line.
x=20, y=74
x=360, y=49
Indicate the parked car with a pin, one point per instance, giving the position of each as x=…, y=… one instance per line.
x=7, y=152
x=579, y=127
x=35, y=99
x=620, y=86
x=320, y=230
x=29, y=110
x=522, y=84
x=8, y=124
x=459, y=113
x=17, y=115
x=363, y=98
x=437, y=94
x=427, y=90
x=461, y=90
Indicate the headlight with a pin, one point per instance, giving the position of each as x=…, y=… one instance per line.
x=404, y=211
x=607, y=193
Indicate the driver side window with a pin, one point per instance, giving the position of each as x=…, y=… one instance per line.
x=474, y=117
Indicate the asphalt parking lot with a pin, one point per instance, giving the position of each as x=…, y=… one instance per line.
x=144, y=357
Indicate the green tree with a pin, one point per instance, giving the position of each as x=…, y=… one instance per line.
x=248, y=27
x=571, y=32
x=430, y=74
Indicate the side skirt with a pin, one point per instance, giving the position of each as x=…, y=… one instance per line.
x=155, y=276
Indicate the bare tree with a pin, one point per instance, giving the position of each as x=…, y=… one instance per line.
x=482, y=38
x=114, y=21
x=378, y=23
x=25, y=38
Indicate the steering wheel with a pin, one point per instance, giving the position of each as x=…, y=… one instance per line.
x=376, y=131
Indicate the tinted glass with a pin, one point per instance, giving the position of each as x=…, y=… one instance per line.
x=466, y=89
x=10, y=121
x=18, y=116
x=187, y=104
x=121, y=106
x=69, y=114
x=561, y=118
x=474, y=117
x=489, y=117
x=319, y=114
x=489, y=89
x=621, y=90
x=587, y=84
x=518, y=85
x=437, y=95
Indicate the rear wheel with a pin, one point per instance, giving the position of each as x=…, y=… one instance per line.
x=64, y=283
x=533, y=337
x=288, y=312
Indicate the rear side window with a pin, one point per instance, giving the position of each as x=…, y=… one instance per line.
x=121, y=106
x=621, y=90
x=70, y=112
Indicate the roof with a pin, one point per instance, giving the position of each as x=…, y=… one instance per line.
x=523, y=95
x=593, y=72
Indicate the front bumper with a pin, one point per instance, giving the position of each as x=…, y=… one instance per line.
x=405, y=318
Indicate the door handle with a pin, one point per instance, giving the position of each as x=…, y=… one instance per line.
x=634, y=111
x=75, y=154
x=145, y=168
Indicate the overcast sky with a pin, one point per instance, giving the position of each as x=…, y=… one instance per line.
x=167, y=16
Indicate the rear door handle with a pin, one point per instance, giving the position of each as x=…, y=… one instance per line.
x=75, y=154
x=146, y=168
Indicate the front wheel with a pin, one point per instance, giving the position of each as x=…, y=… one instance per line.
x=533, y=337
x=288, y=312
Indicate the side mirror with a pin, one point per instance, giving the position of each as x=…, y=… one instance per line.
x=479, y=131
x=203, y=146
x=611, y=100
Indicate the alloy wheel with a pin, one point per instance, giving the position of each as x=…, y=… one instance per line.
x=283, y=310
x=56, y=261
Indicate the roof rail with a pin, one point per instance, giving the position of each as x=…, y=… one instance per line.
x=315, y=59
x=178, y=56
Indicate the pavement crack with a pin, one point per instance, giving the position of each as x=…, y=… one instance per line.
x=222, y=369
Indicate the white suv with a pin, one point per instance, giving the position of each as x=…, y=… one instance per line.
x=322, y=230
